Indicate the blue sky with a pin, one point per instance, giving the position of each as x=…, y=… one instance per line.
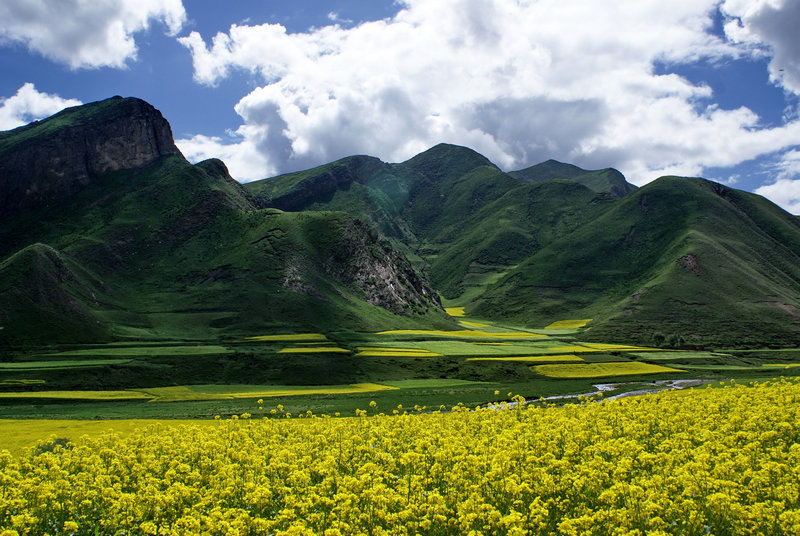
x=689, y=87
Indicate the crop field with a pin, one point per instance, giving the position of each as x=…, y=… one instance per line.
x=531, y=358
x=137, y=351
x=720, y=461
x=34, y=365
x=569, y=324
x=333, y=372
x=602, y=370
x=313, y=350
x=288, y=337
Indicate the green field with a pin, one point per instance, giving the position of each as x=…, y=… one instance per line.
x=340, y=372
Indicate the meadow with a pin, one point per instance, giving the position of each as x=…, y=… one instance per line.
x=720, y=461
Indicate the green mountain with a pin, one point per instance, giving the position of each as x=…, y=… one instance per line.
x=607, y=180
x=458, y=217
x=107, y=232
x=132, y=241
x=682, y=258
x=681, y=261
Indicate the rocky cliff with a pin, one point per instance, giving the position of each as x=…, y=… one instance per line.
x=50, y=160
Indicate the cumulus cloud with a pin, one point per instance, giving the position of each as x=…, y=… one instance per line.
x=30, y=105
x=85, y=34
x=769, y=26
x=520, y=82
x=785, y=191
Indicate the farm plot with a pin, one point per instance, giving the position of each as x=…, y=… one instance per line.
x=600, y=370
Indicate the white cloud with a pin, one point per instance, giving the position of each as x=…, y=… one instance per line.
x=243, y=160
x=771, y=25
x=520, y=82
x=85, y=33
x=785, y=191
x=30, y=105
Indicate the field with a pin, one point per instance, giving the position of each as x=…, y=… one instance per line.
x=399, y=432
x=707, y=461
x=336, y=372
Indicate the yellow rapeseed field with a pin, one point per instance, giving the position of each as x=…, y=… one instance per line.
x=187, y=393
x=289, y=337
x=600, y=370
x=712, y=461
x=380, y=351
x=531, y=358
x=561, y=324
x=465, y=333
x=454, y=311
x=313, y=350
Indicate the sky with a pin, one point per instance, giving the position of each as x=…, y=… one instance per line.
x=706, y=88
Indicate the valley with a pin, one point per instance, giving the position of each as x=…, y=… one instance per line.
x=136, y=285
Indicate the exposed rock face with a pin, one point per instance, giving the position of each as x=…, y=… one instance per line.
x=50, y=160
x=387, y=279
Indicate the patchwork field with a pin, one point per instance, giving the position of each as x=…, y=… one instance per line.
x=335, y=372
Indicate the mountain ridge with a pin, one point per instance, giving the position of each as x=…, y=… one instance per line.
x=167, y=249
x=131, y=241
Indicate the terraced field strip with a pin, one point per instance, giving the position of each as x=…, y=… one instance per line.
x=466, y=348
x=465, y=334
x=672, y=355
x=288, y=337
x=80, y=395
x=772, y=367
x=17, y=382
x=41, y=365
x=378, y=351
x=532, y=358
x=473, y=324
x=599, y=347
x=431, y=383
x=600, y=370
x=569, y=324
x=143, y=351
x=313, y=350
x=223, y=392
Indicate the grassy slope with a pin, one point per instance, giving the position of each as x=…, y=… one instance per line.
x=180, y=254
x=606, y=180
x=462, y=220
x=679, y=256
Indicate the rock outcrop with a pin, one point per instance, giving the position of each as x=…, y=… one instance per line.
x=48, y=161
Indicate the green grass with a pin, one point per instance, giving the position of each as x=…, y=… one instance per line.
x=145, y=351
x=61, y=364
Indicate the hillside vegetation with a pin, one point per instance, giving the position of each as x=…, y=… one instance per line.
x=171, y=250
x=681, y=261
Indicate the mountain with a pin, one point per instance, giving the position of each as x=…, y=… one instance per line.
x=679, y=257
x=457, y=216
x=107, y=232
x=681, y=260
x=600, y=180
x=48, y=161
x=113, y=234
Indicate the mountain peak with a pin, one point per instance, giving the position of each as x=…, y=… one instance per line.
x=90, y=141
x=607, y=180
x=447, y=160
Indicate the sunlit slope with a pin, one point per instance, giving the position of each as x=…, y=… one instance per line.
x=680, y=256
